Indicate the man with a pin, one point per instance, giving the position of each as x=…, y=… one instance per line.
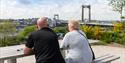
x=45, y=44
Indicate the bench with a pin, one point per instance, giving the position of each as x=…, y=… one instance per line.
x=108, y=58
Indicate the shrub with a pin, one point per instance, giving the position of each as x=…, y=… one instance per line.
x=8, y=41
x=118, y=27
x=117, y=35
x=60, y=29
x=97, y=32
x=92, y=32
x=121, y=39
x=110, y=37
x=88, y=31
x=107, y=37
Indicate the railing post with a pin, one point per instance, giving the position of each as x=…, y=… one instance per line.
x=13, y=60
x=1, y=61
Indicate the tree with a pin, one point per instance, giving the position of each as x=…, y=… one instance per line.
x=7, y=33
x=118, y=5
x=7, y=28
x=22, y=35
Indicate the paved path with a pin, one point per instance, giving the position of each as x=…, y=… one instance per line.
x=117, y=51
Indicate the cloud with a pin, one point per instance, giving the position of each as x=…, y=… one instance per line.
x=66, y=9
x=103, y=11
x=25, y=2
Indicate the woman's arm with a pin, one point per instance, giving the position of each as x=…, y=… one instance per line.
x=65, y=42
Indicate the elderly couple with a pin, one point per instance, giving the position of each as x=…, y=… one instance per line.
x=44, y=43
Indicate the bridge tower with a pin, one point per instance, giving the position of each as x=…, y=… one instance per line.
x=89, y=7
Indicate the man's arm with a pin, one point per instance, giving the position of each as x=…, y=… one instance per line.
x=29, y=45
x=28, y=51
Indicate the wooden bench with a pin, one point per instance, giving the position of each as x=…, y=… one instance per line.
x=108, y=58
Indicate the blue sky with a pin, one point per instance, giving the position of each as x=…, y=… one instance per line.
x=67, y=9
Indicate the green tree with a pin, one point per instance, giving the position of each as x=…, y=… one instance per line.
x=7, y=33
x=22, y=35
x=118, y=5
x=7, y=28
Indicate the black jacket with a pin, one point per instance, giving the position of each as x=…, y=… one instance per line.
x=46, y=46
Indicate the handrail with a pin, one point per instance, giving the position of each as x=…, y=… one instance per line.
x=12, y=57
x=13, y=53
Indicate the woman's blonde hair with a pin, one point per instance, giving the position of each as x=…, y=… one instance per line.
x=74, y=24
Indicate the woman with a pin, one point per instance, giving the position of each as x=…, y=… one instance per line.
x=76, y=45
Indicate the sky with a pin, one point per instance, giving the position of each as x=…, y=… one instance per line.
x=67, y=9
